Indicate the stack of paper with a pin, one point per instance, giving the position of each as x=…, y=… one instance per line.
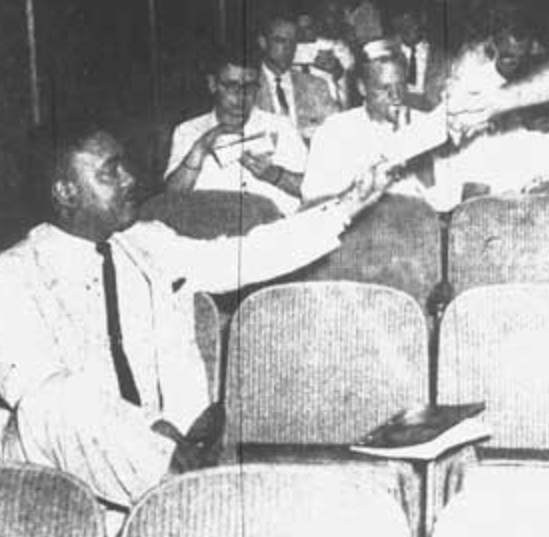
x=230, y=148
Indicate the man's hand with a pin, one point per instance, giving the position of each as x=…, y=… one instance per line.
x=206, y=142
x=260, y=166
x=469, y=115
x=369, y=188
x=326, y=61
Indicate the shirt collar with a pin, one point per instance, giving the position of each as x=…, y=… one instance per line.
x=285, y=78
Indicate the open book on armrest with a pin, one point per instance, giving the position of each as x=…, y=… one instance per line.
x=425, y=433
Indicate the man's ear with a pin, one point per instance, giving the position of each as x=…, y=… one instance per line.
x=361, y=87
x=212, y=84
x=65, y=193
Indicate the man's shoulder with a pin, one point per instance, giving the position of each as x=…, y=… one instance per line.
x=21, y=253
x=344, y=122
x=200, y=123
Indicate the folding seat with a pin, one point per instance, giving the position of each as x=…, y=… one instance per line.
x=504, y=498
x=206, y=214
x=42, y=502
x=208, y=338
x=494, y=348
x=395, y=243
x=323, y=362
x=499, y=240
x=267, y=501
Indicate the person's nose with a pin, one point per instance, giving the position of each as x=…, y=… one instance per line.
x=128, y=180
x=396, y=95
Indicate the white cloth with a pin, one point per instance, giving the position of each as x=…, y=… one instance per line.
x=350, y=143
x=422, y=57
x=287, y=86
x=305, y=56
x=55, y=360
x=505, y=162
x=510, y=162
x=290, y=153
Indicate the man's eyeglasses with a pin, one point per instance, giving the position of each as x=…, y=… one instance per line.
x=235, y=88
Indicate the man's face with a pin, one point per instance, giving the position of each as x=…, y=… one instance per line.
x=235, y=90
x=105, y=199
x=332, y=19
x=409, y=27
x=280, y=45
x=511, y=54
x=385, y=88
x=306, y=29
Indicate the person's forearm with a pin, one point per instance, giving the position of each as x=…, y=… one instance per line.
x=184, y=177
x=528, y=92
x=289, y=182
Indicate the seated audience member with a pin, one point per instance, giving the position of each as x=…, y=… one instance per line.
x=383, y=131
x=427, y=71
x=97, y=346
x=501, y=58
x=322, y=52
x=508, y=157
x=238, y=147
x=301, y=97
x=364, y=18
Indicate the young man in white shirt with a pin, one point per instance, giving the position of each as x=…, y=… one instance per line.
x=93, y=289
x=351, y=145
x=236, y=146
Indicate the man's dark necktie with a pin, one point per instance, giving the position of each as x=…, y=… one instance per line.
x=126, y=382
x=412, y=67
x=281, y=96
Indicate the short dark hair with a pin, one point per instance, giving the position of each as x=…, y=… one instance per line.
x=50, y=153
x=366, y=65
x=239, y=52
x=282, y=14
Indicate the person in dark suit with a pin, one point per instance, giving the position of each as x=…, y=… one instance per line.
x=302, y=97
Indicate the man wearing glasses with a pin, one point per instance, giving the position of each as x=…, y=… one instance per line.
x=236, y=146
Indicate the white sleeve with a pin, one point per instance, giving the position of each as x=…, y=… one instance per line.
x=226, y=264
x=291, y=152
x=182, y=141
x=325, y=174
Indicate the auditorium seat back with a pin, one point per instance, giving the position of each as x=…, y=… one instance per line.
x=323, y=362
x=42, y=502
x=494, y=347
x=499, y=240
x=267, y=501
x=395, y=243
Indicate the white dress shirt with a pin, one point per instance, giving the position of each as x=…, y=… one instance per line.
x=290, y=153
x=287, y=85
x=55, y=359
x=422, y=57
x=348, y=144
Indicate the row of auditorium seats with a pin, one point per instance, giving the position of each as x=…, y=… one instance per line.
x=499, y=498
x=324, y=362
x=398, y=242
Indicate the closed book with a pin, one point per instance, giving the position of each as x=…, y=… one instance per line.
x=425, y=433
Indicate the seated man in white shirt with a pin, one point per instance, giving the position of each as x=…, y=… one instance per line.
x=382, y=132
x=238, y=147
x=97, y=347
